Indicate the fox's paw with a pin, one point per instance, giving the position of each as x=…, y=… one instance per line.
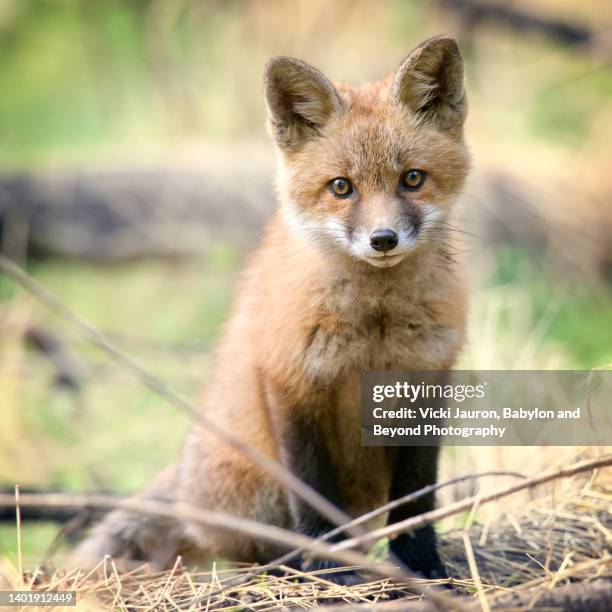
x=324, y=567
x=434, y=572
x=418, y=554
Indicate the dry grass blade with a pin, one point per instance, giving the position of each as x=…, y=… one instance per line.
x=18, y=519
x=539, y=552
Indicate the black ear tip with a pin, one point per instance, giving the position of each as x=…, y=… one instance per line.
x=282, y=64
x=276, y=64
x=280, y=60
x=444, y=43
x=277, y=68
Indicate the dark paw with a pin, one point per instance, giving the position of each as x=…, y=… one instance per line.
x=418, y=553
x=436, y=572
x=398, y=593
x=342, y=576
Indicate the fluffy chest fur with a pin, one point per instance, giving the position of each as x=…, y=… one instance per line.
x=319, y=319
x=405, y=318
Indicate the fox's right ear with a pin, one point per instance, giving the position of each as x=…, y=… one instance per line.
x=430, y=83
x=300, y=100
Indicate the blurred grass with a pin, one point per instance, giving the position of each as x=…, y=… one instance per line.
x=35, y=541
x=114, y=434
x=579, y=313
x=143, y=75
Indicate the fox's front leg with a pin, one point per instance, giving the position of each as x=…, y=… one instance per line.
x=416, y=468
x=306, y=453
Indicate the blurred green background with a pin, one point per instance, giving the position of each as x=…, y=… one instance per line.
x=123, y=84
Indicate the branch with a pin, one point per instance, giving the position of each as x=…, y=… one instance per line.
x=477, y=11
x=415, y=522
x=575, y=597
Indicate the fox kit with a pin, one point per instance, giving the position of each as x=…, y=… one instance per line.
x=353, y=273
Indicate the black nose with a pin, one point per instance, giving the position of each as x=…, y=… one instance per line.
x=383, y=240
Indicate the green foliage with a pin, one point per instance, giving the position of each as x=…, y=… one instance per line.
x=566, y=111
x=579, y=310
x=36, y=538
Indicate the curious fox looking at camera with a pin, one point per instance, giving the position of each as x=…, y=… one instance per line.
x=353, y=274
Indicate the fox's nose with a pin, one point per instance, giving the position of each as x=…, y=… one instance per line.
x=383, y=240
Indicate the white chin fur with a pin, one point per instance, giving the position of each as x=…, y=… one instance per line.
x=385, y=262
x=333, y=233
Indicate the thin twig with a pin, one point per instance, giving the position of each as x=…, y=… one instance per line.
x=155, y=384
x=415, y=522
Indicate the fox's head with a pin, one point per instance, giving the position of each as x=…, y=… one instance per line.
x=371, y=170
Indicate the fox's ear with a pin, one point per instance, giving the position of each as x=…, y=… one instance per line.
x=300, y=100
x=430, y=83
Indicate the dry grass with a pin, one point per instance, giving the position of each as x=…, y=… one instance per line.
x=554, y=541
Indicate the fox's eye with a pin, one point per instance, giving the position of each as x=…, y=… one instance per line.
x=413, y=179
x=341, y=187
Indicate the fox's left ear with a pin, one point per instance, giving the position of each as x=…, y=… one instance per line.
x=430, y=83
x=301, y=100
